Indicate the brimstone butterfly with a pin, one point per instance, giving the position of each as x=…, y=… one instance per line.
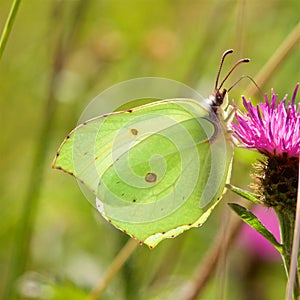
x=158, y=169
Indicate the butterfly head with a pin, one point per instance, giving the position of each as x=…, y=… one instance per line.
x=220, y=94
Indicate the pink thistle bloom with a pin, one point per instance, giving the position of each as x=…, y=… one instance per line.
x=273, y=129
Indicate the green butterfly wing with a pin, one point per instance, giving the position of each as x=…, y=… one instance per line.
x=156, y=170
x=136, y=103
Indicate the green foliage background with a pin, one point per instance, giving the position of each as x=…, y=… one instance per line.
x=60, y=55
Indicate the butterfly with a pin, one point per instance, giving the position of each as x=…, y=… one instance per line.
x=155, y=170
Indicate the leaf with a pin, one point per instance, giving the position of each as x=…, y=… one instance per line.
x=155, y=170
x=248, y=217
x=245, y=194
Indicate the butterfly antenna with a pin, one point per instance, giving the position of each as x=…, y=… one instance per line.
x=243, y=60
x=220, y=67
x=243, y=77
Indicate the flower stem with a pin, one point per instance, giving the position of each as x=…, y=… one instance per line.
x=287, y=223
x=293, y=271
x=8, y=25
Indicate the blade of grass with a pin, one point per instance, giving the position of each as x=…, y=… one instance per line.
x=206, y=39
x=8, y=25
x=113, y=269
x=25, y=225
x=275, y=61
x=241, y=24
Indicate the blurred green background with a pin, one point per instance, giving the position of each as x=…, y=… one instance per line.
x=60, y=55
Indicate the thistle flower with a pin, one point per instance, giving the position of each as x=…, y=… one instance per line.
x=274, y=130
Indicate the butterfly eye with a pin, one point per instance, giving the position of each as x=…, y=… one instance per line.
x=219, y=99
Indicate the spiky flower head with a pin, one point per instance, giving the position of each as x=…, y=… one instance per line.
x=274, y=130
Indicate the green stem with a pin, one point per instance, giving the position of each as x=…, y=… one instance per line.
x=287, y=223
x=8, y=25
x=114, y=268
x=293, y=271
x=27, y=218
